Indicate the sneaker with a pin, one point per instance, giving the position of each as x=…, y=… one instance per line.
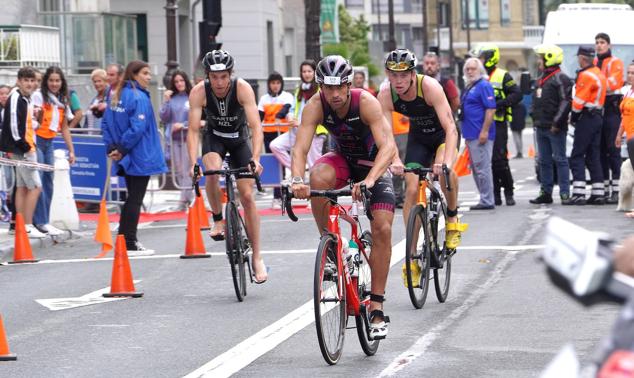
x=11, y=229
x=498, y=199
x=276, y=204
x=543, y=198
x=51, y=230
x=139, y=250
x=509, y=201
x=596, y=200
x=33, y=232
x=577, y=199
x=612, y=199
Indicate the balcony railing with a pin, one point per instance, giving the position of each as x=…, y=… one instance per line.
x=533, y=34
x=29, y=45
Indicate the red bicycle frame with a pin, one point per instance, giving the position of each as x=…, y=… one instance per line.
x=352, y=297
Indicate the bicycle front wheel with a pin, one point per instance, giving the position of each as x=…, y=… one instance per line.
x=329, y=297
x=234, y=237
x=364, y=282
x=417, y=255
x=442, y=272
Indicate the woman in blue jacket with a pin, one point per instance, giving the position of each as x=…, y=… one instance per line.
x=132, y=141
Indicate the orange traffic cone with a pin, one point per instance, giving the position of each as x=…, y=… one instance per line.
x=203, y=219
x=22, y=252
x=103, y=234
x=122, y=284
x=461, y=167
x=194, y=246
x=4, y=346
x=531, y=151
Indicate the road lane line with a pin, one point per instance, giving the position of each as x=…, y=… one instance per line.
x=271, y=252
x=421, y=345
x=265, y=340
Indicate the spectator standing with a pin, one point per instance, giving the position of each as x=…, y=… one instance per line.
x=174, y=113
x=358, y=81
x=52, y=104
x=478, y=109
x=97, y=105
x=75, y=108
x=132, y=141
x=587, y=118
x=550, y=109
x=507, y=94
x=517, y=126
x=4, y=96
x=612, y=69
x=627, y=112
x=431, y=67
x=18, y=138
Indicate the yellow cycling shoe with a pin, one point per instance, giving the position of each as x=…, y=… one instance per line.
x=416, y=273
x=453, y=234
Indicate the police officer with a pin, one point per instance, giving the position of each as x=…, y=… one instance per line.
x=549, y=110
x=612, y=68
x=507, y=94
x=586, y=116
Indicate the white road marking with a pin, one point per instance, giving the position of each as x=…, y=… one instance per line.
x=56, y=304
x=421, y=345
x=265, y=340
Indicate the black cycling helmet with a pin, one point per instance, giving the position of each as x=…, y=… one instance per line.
x=400, y=60
x=217, y=60
x=334, y=70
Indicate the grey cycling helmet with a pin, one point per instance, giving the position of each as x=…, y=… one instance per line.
x=400, y=60
x=334, y=70
x=217, y=60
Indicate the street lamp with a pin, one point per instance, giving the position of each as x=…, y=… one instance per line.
x=170, y=19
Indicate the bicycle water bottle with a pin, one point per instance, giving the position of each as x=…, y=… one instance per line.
x=353, y=251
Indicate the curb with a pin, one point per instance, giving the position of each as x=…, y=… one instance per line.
x=7, y=246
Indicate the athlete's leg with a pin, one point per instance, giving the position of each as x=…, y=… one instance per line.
x=452, y=196
x=252, y=219
x=213, y=160
x=329, y=172
x=381, y=228
x=411, y=192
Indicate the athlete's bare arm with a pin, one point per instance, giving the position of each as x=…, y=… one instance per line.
x=372, y=115
x=197, y=100
x=246, y=98
x=435, y=96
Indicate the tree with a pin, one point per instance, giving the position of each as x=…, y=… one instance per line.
x=353, y=41
x=312, y=11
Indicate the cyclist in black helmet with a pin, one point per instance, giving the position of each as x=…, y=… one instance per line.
x=230, y=106
x=432, y=134
x=364, y=150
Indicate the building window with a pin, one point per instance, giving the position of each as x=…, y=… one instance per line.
x=478, y=14
x=505, y=12
x=444, y=15
x=270, y=46
x=354, y=3
x=417, y=33
x=417, y=6
x=399, y=6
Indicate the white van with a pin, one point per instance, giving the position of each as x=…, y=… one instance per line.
x=572, y=25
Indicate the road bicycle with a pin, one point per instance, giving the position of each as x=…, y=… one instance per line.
x=425, y=247
x=341, y=288
x=236, y=238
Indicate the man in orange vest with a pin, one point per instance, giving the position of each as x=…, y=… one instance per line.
x=612, y=68
x=587, y=118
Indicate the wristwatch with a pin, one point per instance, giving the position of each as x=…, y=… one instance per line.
x=297, y=180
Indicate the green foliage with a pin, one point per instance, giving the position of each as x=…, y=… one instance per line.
x=336, y=49
x=353, y=38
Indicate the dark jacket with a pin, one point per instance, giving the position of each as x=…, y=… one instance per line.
x=552, y=106
x=17, y=135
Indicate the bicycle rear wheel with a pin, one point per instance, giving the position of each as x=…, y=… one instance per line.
x=234, y=237
x=417, y=258
x=442, y=272
x=364, y=281
x=329, y=298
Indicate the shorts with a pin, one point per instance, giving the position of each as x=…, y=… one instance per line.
x=422, y=149
x=239, y=151
x=382, y=192
x=26, y=177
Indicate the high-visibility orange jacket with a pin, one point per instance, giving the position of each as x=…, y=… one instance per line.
x=612, y=68
x=590, y=89
x=400, y=123
x=627, y=112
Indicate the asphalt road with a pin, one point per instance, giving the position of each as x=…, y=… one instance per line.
x=503, y=318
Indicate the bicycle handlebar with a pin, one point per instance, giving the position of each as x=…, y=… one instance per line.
x=331, y=194
x=421, y=171
x=226, y=172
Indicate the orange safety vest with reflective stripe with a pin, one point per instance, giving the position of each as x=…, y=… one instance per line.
x=270, y=110
x=627, y=112
x=400, y=123
x=612, y=68
x=590, y=90
x=52, y=118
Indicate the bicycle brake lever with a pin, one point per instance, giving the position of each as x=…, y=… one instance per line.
x=366, y=201
x=256, y=176
x=447, y=173
x=195, y=180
